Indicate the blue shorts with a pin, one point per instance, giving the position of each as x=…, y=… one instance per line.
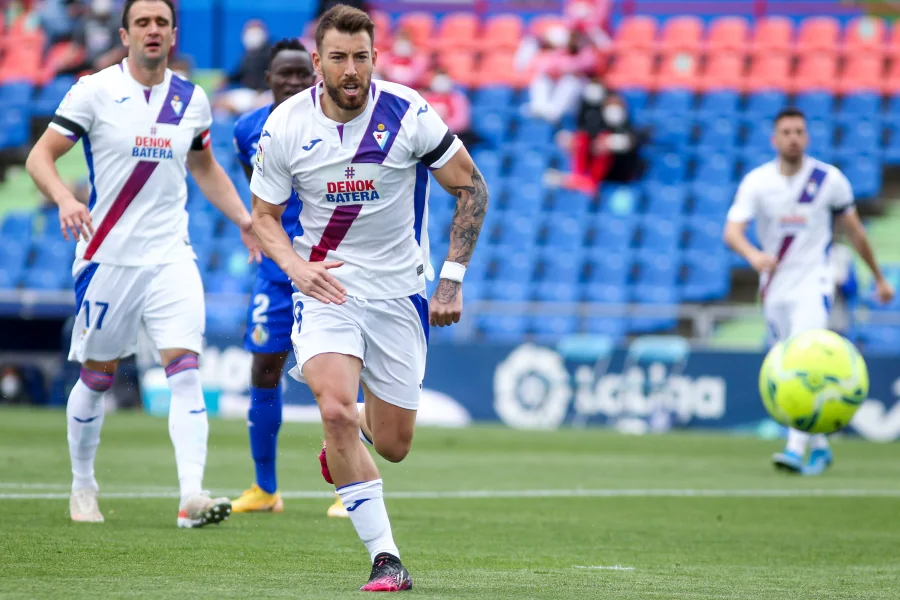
x=270, y=317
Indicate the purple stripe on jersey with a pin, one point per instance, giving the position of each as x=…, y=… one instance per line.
x=147, y=95
x=315, y=96
x=812, y=187
x=133, y=186
x=386, y=118
x=341, y=132
x=176, y=102
x=338, y=226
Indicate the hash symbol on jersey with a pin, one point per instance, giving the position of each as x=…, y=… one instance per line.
x=350, y=172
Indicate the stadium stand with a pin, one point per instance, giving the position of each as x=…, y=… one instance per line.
x=707, y=92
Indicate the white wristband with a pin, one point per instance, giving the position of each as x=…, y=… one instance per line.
x=453, y=271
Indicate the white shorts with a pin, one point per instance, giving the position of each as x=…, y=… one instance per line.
x=115, y=302
x=389, y=336
x=786, y=318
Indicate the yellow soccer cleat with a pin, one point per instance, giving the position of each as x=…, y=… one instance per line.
x=256, y=500
x=337, y=509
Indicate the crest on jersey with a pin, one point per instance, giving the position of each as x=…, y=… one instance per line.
x=381, y=135
x=260, y=334
x=177, y=104
x=811, y=188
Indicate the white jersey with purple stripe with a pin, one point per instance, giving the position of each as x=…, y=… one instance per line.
x=364, y=184
x=136, y=141
x=794, y=218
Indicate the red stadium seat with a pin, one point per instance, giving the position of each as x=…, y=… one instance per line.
x=383, y=33
x=632, y=70
x=724, y=71
x=865, y=34
x=460, y=65
x=420, y=27
x=816, y=72
x=863, y=72
x=892, y=82
x=678, y=70
x=728, y=34
x=53, y=59
x=542, y=23
x=502, y=32
x=773, y=34
x=457, y=30
x=636, y=33
x=498, y=68
x=769, y=72
x=818, y=34
x=682, y=34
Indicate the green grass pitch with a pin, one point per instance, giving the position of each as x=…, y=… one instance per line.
x=685, y=516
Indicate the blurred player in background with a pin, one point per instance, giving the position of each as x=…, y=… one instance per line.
x=794, y=199
x=140, y=125
x=270, y=315
x=358, y=153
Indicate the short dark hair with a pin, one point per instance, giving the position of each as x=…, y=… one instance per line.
x=127, y=9
x=345, y=19
x=286, y=44
x=790, y=111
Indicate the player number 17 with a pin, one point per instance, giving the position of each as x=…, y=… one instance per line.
x=102, y=307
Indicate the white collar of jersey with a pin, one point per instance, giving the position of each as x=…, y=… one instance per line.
x=363, y=117
x=128, y=77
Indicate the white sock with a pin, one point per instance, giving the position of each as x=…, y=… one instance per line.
x=819, y=442
x=362, y=434
x=796, y=441
x=84, y=419
x=365, y=505
x=188, y=424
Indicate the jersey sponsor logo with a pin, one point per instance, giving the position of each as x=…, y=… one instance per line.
x=381, y=135
x=311, y=145
x=122, y=99
x=152, y=147
x=793, y=222
x=351, y=190
x=422, y=110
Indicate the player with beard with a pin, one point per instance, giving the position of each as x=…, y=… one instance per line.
x=358, y=153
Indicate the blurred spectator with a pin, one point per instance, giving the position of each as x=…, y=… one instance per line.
x=402, y=64
x=246, y=86
x=327, y=4
x=451, y=105
x=58, y=18
x=604, y=147
x=97, y=44
x=183, y=65
x=12, y=387
x=560, y=70
x=840, y=317
x=591, y=18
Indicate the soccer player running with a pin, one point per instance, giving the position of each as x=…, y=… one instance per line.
x=270, y=314
x=358, y=153
x=140, y=125
x=794, y=200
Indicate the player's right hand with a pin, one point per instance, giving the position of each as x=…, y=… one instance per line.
x=763, y=263
x=75, y=218
x=314, y=280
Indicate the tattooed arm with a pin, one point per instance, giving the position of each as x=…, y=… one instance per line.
x=461, y=178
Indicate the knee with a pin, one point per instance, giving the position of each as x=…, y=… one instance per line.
x=265, y=372
x=338, y=415
x=393, y=450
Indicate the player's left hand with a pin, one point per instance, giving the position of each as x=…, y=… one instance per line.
x=446, y=305
x=884, y=291
x=248, y=236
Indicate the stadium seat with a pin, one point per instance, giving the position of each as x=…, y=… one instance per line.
x=635, y=99
x=499, y=68
x=657, y=268
x=815, y=72
x=764, y=105
x=565, y=233
x=45, y=279
x=862, y=137
x=861, y=105
x=605, y=294
x=863, y=72
x=818, y=35
x=9, y=277
x=674, y=133
x=535, y=133
x=613, y=233
x=514, y=263
x=16, y=94
x=679, y=70
x=51, y=95
x=759, y=135
x=636, y=33
x=419, y=26
x=821, y=134
x=457, y=30
x=510, y=291
x=492, y=98
x=864, y=173
x=632, y=70
x=665, y=200
x=724, y=71
x=491, y=127
x=704, y=232
x=609, y=267
x=14, y=127
x=712, y=200
x=17, y=225
x=525, y=199
x=715, y=168
x=706, y=276
x=460, y=65
x=221, y=282
x=548, y=328
x=664, y=301
x=502, y=31
x=720, y=132
x=570, y=203
x=769, y=72
x=753, y=157
x=727, y=34
x=521, y=231
x=774, y=34
x=865, y=35
x=815, y=105
x=53, y=255
x=682, y=34
x=670, y=169
x=612, y=327
x=502, y=328
x=660, y=234
x=558, y=266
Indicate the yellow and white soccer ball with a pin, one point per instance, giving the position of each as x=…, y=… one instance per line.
x=814, y=382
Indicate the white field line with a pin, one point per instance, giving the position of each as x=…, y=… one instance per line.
x=60, y=492
x=603, y=567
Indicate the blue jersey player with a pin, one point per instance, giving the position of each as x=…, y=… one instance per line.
x=270, y=314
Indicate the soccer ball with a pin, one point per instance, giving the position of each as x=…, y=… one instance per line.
x=814, y=382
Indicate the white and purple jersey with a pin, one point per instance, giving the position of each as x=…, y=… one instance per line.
x=364, y=184
x=136, y=142
x=794, y=219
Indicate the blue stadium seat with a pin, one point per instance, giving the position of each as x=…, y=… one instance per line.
x=635, y=99
x=614, y=328
x=223, y=283
x=892, y=147
x=674, y=102
x=614, y=233
x=9, y=277
x=201, y=227
x=864, y=173
x=664, y=299
x=51, y=95
x=862, y=137
x=706, y=276
x=609, y=268
x=492, y=98
x=204, y=254
x=225, y=156
x=53, y=255
x=561, y=267
x=535, y=133
x=660, y=234
x=225, y=316
x=221, y=133
x=529, y=167
x=569, y=202
x=711, y=199
x=605, y=294
x=665, y=200
x=720, y=132
x=45, y=279
x=502, y=328
x=619, y=200
x=17, y=225
x=14, y=126
x=16, y=94
x=486, y=159
x=524, y=199
x=674, y=133
x=511, y=290
x=752, y=157
x=518, y=231
x=565, y=233
x=657, y=268
x=719, y=103
x=552, y=327
x=815, y=105
x=514, y=264
x=763, y=106
x=860, y=105
x=759, y=135
x=550, y=291
x=669, y=169
x=473, y=291
x=821, y=134
x=704, y=233
x=13, y=253
x=717, y=169
x=880, y=338
x=478, y=268
x=491, y=126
